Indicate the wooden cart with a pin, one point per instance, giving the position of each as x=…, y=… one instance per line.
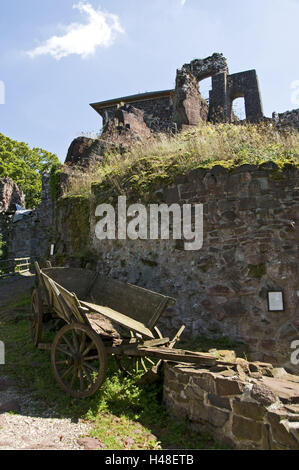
x=98, y=316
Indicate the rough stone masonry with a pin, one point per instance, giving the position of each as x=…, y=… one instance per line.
x=251, y=223
x=29, y=236
x=243, y=405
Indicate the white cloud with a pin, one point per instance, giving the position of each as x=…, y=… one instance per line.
x=100, y=30
x=183, y=2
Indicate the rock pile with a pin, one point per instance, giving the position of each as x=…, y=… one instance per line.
x=246, y=405
x=125, y=127
x=10, y=195
x=289, y=119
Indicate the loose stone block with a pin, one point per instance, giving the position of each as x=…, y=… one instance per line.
x=217, y=417
x=205, y=382
x=249, y=410
x=263, y=394
x=246, y=429
x=219, y=402
x=228, y=387
x=280, y=432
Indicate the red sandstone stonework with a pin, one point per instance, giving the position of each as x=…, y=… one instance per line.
x=243, y=413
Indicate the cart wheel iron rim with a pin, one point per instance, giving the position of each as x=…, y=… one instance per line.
x=79, y=360
x=36, y=317
x=134, y=365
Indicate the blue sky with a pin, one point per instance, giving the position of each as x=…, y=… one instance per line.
x=56, y=59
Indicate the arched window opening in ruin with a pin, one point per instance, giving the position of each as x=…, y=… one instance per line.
x=205, y=86
x=238, y=108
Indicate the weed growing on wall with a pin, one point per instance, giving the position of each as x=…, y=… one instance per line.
x=144, y=167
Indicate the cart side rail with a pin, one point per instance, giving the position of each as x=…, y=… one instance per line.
x=63, y=302
x=134, y=302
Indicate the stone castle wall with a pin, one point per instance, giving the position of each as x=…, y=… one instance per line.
x=158, y=113
x=289, y=119
x=10, y=196
x=243, y=413
x=251, y=223
x=31, y=235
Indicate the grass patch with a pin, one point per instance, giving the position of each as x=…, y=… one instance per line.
x=147, y=166
x=22, y=302
x=124, y=414
x=204, y=344
x=257, y=271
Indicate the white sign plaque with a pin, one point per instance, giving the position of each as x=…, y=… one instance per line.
x=52, y=250
x=275, y=300
x=2, y=353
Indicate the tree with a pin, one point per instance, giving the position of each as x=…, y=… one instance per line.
x=25, y=166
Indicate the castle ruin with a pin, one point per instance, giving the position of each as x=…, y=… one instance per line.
x=184, y=105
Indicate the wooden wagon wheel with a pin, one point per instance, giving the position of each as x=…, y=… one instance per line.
x=79, y=360
x=36, y=317
x=131, y=365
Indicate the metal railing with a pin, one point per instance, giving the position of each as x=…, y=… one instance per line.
x=11, y=267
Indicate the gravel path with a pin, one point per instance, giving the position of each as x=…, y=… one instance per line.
x=24, y=426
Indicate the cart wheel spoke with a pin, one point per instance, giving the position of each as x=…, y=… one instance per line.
x=70, y=347
x=83, y=342
x=86, y=372
x=81, y=380
x=148, y=359
x=86, y=351
x=135, y=365
x=64, y=351
x=94, y=369
x=36, y=317
x=143, y=364
x=90, y=358
x=79, y=377
x=75, y=341
x=67, y=372
x=73, y=378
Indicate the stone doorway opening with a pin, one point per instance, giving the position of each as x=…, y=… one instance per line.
x=238, y=109
x=205, y=86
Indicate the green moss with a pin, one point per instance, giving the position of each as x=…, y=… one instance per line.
x=257, y=271
x=55, y=173
x=205, y=268
x=149, y=262
x=277, y=175
x=60, y=260
x=77, y=210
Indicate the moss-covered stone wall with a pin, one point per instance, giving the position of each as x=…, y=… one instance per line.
x=250, y=247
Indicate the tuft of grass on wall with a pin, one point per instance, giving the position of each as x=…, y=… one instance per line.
x=156, y=162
